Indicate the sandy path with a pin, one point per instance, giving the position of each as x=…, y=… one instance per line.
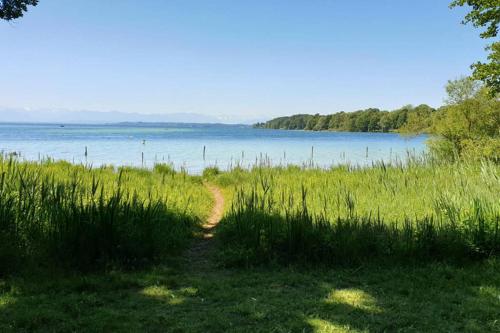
x=217, y=211
x=197, y=255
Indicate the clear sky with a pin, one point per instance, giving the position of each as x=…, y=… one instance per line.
x=243, y=59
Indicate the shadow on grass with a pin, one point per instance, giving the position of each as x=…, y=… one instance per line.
x=426, y=298
x=251, y=234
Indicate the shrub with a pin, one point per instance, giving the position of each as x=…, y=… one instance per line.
x=164, y=169
x=211, y=172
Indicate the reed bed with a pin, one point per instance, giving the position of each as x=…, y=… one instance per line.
x=419, y=210
x=56, y=213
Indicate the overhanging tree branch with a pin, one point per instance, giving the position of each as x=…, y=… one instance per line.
x=12, y=9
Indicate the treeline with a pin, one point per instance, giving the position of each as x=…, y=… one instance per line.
x=407, y=118
x=467, y=126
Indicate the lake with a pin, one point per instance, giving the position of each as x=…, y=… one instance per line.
x=183, y=145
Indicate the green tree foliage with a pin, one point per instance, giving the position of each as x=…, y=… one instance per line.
x=469, y=125
x=406, y=119
x=418, y=120
x=485, y=14
x=12, y=9
x=461, y=90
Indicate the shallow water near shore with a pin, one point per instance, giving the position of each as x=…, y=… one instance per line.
x=196, y=146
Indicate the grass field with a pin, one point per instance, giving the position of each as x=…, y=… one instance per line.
x=426, y=298
x=418, y=211
x=264, y=272
x=411, y=191
x=55, y=213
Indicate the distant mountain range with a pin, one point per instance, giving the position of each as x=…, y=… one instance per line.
x=15, y=115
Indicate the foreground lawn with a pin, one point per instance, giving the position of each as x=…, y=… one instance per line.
x=434, y=297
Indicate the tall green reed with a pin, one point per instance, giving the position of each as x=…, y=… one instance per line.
x=79, y=217
x=411, y=212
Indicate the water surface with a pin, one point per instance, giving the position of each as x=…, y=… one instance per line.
x=183, y=145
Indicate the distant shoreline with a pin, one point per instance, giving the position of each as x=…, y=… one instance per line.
x=123, y=123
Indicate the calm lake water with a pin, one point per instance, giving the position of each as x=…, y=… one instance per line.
x=182, y=145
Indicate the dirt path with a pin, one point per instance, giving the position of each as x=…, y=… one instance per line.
x=217, y=211
x=197, y=255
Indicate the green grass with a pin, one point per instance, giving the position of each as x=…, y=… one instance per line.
x=274, y=216
x=414, y=191
x=419, y=211
x=55, y=213
x=428, y=298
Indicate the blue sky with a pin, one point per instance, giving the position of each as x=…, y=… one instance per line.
x=241, y=59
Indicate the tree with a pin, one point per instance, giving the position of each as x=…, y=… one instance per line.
x=469, y=126
x=362, y=122
x=485, y=13
x=489, y=72
x=461, y=89
x=312, y=122
x=322, y=123
x=419, y=120
x=386, y=122
x=400, y=116
x=12, y=9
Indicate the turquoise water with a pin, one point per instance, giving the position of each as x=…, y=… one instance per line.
x=183, y=144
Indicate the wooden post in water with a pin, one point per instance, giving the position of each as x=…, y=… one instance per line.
x=142, y=159
x=204, y=151
x=366, y=155
x=312, y=153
